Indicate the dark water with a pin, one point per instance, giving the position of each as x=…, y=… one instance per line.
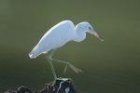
x=112, y=66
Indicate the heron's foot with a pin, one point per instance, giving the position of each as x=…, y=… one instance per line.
x=75, y=69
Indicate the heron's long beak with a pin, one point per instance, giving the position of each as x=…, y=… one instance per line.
x=97, y=35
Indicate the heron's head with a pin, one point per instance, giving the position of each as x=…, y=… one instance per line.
x=89, y=29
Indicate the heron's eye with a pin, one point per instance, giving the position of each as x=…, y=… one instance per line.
x=89, y=28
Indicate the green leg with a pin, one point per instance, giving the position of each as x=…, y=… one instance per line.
x=75, y=69
x=51, y=65
x=50, y=59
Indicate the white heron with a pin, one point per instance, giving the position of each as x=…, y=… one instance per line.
x=58, y=36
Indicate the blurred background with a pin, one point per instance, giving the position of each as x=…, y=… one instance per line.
x=112, y=66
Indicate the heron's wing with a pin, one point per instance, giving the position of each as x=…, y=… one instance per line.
x=57, y=36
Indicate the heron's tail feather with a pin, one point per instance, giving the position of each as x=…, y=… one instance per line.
x=36, y=51
x=31, y=55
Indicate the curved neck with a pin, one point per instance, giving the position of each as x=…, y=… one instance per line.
x=80, y=35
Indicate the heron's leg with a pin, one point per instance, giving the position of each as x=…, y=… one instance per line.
x=75, y=69
x=51, y=65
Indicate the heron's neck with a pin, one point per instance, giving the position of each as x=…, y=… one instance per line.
x=80, y=35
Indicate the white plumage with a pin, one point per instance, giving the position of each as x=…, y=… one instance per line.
x=60, y=34
x=56, y=37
